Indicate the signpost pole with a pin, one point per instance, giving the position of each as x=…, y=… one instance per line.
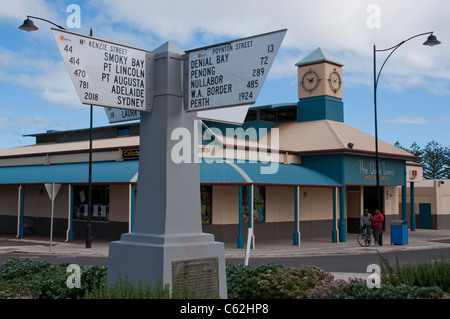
x=52, y=190
x=52, y=197
x=167, y=242
x=89, y=225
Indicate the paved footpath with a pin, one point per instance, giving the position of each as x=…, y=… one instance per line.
x=322, y=246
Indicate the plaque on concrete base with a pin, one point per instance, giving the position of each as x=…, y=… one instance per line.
x=199, y=275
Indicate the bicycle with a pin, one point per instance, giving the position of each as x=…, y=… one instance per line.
x=364, y=238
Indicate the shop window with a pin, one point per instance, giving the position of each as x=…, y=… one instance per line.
x=259, y=204
x=100, y=202
x=206, y=204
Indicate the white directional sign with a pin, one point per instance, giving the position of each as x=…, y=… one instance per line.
x=230, y=73
x=105, y=73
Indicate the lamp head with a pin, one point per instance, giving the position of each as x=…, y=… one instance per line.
x=28, y=25
x=432, y=41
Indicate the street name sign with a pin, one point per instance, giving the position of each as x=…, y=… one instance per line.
x=230, y=73
x=121, y=115
x=105, y=73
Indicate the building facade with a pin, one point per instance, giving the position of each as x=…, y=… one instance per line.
x=292, y=170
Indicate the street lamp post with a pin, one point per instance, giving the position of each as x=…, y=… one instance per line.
x=28, y=25
x=431, y=41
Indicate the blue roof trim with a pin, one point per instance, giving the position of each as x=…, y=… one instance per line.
x=126, y=172
x=102, y=172
x=295, y=175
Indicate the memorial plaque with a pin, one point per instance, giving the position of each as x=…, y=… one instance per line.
x=201, y=275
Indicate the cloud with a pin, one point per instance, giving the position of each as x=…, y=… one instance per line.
x=5, y=123
x=46, y=77
x=339, y=27
x=416, y=120
x=408, y=120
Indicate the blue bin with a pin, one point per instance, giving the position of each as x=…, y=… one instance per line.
x=399, y=232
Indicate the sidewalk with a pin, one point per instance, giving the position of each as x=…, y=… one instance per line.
x=322, y=246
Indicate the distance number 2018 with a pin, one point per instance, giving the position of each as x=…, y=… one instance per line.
x=90, y=96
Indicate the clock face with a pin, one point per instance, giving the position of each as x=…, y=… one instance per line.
x=335, y=81
x=310, y=80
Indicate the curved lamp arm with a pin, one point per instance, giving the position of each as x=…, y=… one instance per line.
x=28, y=24
x=56, y=25
x=393, y=48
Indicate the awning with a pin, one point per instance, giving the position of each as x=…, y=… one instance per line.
x=102, y=172
x=225, y=173
x=263, y=173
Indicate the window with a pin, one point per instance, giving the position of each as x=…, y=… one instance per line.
x=121, y=131
x=259, y=207
x=268, y=115
x=287, y=115
x=100, y=202
x=206, y=204
x=251, y=116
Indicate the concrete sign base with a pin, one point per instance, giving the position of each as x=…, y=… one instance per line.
x=152, y=259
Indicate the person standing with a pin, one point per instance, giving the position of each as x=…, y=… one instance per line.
x=377, y=223
x=365, y=222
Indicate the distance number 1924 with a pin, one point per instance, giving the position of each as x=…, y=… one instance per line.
x=245, y=96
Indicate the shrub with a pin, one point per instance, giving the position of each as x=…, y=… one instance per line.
x=422, y=274
x=359, y=290
x=324, y=289
x=242, y=281
x=125, y=289
x=10, y=291
x=291, y=283
x=45, y=280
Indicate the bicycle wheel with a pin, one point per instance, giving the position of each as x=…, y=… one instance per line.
x=362, y=240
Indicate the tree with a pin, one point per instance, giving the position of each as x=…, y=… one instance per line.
x=447, y=163
x=435, y=158
x=414, y=150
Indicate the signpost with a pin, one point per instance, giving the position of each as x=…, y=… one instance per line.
x=230, y=73
x=52, y=190
x=167, y=242
x=106, y=73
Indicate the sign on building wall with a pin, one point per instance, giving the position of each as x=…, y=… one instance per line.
x=362, y=171
x=130, y=154
x=106, y=73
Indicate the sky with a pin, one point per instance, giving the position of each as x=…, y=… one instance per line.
x=413, y=91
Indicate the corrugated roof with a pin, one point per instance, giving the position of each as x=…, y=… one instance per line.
x=263, y=173
x=326, y=135
x=230, y=173
x=102, y=172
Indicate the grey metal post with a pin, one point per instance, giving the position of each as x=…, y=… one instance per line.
x=167, y=228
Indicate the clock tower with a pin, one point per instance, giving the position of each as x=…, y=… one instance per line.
x=320, y=88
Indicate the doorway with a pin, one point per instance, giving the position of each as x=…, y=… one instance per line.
x=370, y=198
x=425, y=215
